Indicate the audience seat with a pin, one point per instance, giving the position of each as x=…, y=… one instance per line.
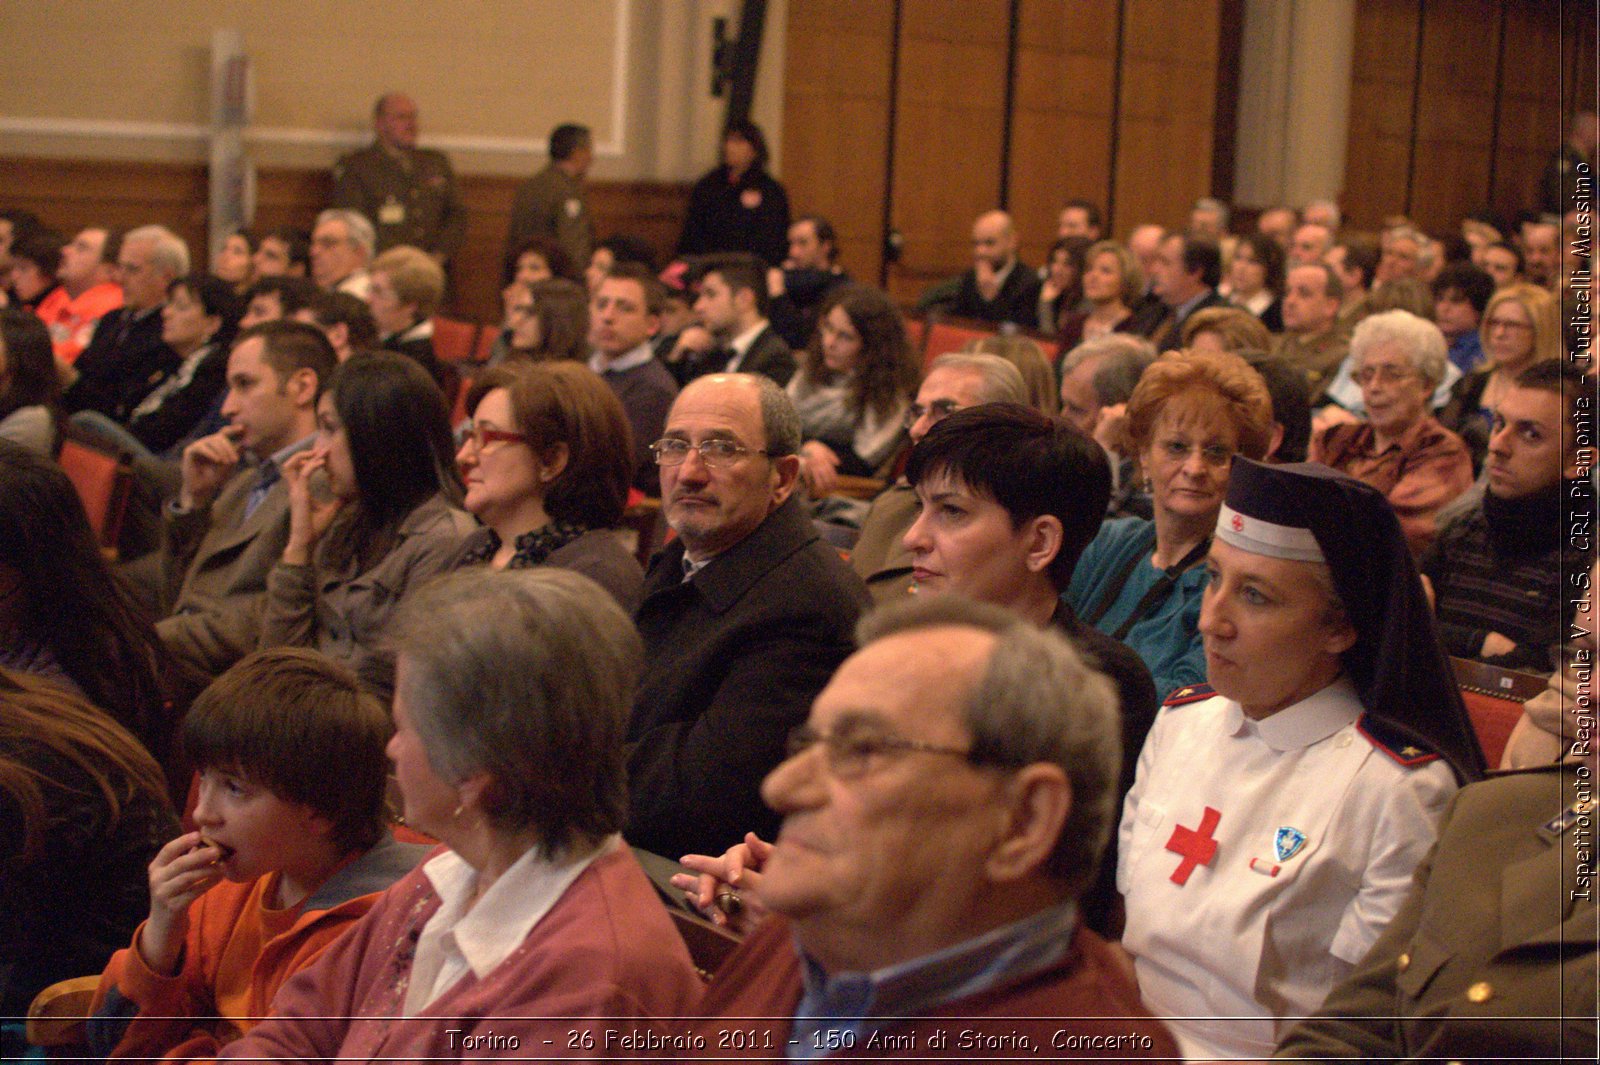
x=950, y=335
x=917, y=333
x=458, y=406
x=455, y=341
x=862, y=488
x=480, y=353
x=1494, y=698
x=709, y=945
x=643, y=519
x=57, y=1016
x=103, y=481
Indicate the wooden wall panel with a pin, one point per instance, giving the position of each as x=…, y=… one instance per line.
x=1531, y=115
x=1455, y=111
x=1166, y=111
x=71, y=194
x=836, y=122
x=949, y=123
x=1061, y=115
x=947, y=157
x=1484, y=82
x=1382, y=85
x=1580, y=79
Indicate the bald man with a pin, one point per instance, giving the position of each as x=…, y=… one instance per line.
x=408, y=193
x=999, y=287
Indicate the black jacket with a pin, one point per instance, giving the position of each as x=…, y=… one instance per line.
x=733, y=658
x=126, y=359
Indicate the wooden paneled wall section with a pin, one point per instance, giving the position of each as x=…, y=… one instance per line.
x=1457, y=104
x=916, y=115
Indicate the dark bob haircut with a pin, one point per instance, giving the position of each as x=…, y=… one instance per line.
x=1028, y=463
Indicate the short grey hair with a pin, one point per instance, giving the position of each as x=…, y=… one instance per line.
x=168, y=251
x=1126, y=357
x=356, y=225
x=1419, y=338
x=1403, y=231
x=779, y=420
x=527, y=676
x=1212, y=205
x=1001, y=380
x=1038, y=700
x=1328, y=207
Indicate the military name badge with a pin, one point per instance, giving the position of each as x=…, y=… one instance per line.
x=751, y=198
x=392, y=213
x=574, y=207
x=1569, y=817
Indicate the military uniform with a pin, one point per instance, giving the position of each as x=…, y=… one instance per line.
x=550, y=204
x=1318, y=357
x=1493, y=955
x=411, y=200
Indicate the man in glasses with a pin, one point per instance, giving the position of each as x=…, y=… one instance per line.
x=954, y=382
x=944, y=805
x=745, y=615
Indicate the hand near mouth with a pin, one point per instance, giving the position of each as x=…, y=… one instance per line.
x=181, y=872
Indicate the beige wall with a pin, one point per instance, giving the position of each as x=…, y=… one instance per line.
x=491, y=78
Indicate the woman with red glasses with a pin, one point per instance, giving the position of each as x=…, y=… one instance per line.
x=547, y=463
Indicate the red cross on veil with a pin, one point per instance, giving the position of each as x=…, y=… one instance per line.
x=1196, y=845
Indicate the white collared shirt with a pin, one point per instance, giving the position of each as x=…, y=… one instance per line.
x=741, y=346
x=628, y=360
x=422, y=330
x=1317, y=833
x=1256, y=304
x=357, y=284
x=461, y=936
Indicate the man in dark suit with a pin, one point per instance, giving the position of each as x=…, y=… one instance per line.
x=802, y=285
x=229, y=524
x=1000, y=287
x=745, y=616
x=1184, y=277
x=126, y=357
x=732, y=306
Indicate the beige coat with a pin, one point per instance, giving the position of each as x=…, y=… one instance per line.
x=214, y=566
x=342, y=612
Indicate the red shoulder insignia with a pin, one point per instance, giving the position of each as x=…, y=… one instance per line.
x=1189, y=693
x=1402, y=749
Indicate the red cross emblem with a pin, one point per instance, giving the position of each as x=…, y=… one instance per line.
x=1196, y=845
x=1237, y=523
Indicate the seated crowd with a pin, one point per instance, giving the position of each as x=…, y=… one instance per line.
x=1043, y=684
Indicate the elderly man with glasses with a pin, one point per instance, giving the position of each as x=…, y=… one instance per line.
x=943, y=807
x=954, y=382
x=746, y=613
